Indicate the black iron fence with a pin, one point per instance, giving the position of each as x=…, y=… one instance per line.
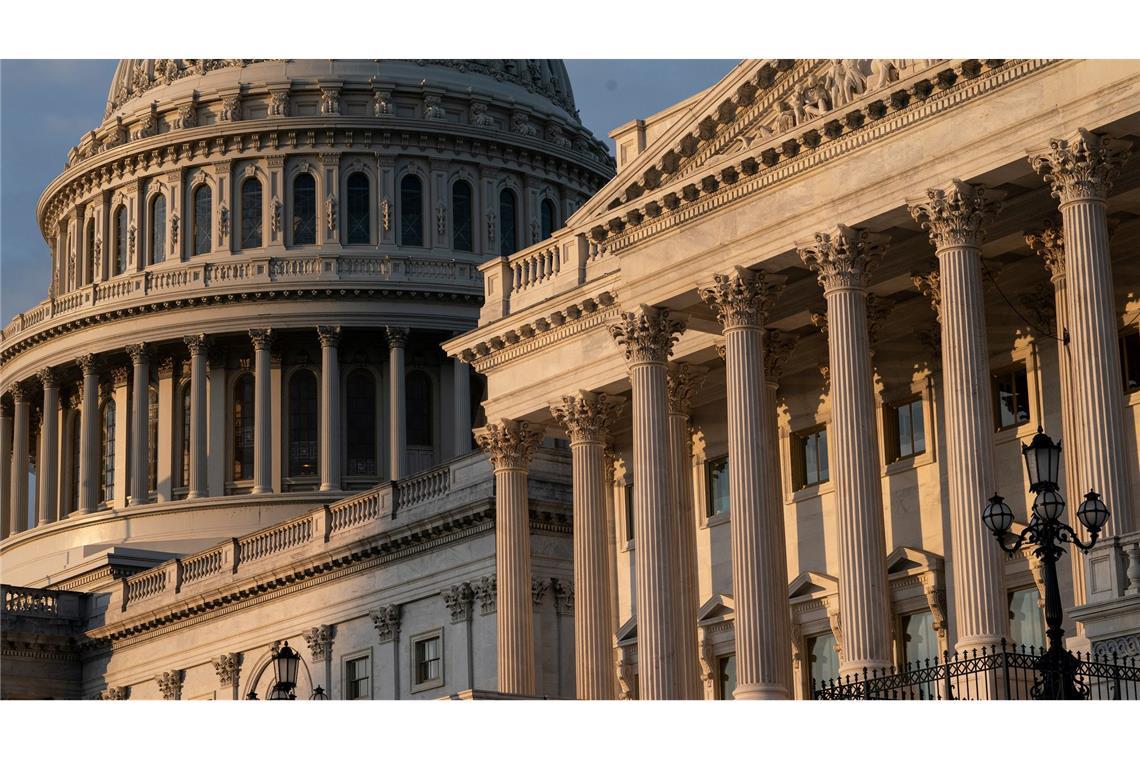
x=1003, y=671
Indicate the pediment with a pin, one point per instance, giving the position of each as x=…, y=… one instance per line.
x=908, y=560
x=810, y=584
x=717, y=608
x=627, y=632
x=781, y=104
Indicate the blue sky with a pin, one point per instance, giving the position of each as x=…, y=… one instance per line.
x=47, y=105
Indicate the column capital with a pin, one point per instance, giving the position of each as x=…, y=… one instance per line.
x=262, y=339
x=386, y=620
x=320, y=641
x=778, y=346
x=844, y=257
x=120, y=375
x=329, y=335
x=509, y=443
x=1048, y=242
x=741, y=299
x=1082, y=166
x=18, y=391
x=166, y=368
x=47, y=377
x=929, y=284
x=397, y=336
x=587, y=416
x=957, y=214
x=682, y=383
x=88, y=363
x=228, y=668
x=198, y=344
x=647, y=334
x=139, y=353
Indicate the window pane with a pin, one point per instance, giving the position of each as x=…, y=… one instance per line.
x=119, y=262
x=629, y=523
x=919, y=639
x=411, y=211
x=822, y=438
x=1130, y=360
x=158, y=230
x=420, y=423
x=251, y=213
x=304, y=210
x=726, y=675
x=906, y=448
x=89, y=254
x=243, y=428
x=359, y=207
x=811, y=463
x=824, y=664
x=718, y=486
x=303, y=452
x=203, y=214
x=917, y=426
x=152, y=440
x=462, y=238
x=508, y=242
x=1021, y=387
x=185, y=482
x=76, y=427
x=108, y=439
x=548, y=222
x=1025, y=620
x=360, y=406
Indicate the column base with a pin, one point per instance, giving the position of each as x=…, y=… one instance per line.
x=258, y=490
x=856, y=668
x=326, y=487
x=759, y=691
x=968, y=645
x=194, y=495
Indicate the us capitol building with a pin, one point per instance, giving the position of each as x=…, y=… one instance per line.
x=380, y=359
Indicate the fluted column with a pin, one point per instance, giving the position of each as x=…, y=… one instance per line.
x=21, y=421
x=778, y=346
x=741, y=302
x=510, y=446
x=89, y=436
x=647, y=335
x=140, y=360
x=263, y=413
x=955, y=217
x=198, y=345
x=587, y=418
x=47, y=482
x=683, y=381
x=1081, y=171
x=330, y=408
x=1049, y=244
x=461, y=407
x=5, y=467
x=843, y=260
x=397, y=404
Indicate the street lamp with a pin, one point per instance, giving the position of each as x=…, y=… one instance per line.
x=319, y=694
x=1046, y=529
x=285, y=664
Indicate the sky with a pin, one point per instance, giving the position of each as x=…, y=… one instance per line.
x=47, y=105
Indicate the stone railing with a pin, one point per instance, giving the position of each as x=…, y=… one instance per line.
x=144, y=585
x=534, y=267
x=276, y=539
x=423, y=487
x=190, y=279
x=358, y=510
x=1114, y=569
x=31, y=601
x=201, y=565
x=536, y=273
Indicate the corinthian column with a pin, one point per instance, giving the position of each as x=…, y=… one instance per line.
x=330, y=408
x=510, y=445
x=397, y=404
x=48, y=482
x=262, y=412
x=741, y=301
x=683, y=381
x=198, y=411
x=89, y=436
x=1081, y=171
x=843, y=260
x=1049, y=244
x=18, y=481
x=140, y=430
x=955, y=217
x=587, y=418
x=648, y=336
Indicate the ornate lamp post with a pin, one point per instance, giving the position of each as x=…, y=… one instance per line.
x=285, y=664
x=1046, y=529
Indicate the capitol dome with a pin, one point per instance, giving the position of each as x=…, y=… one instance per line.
x=253, y=265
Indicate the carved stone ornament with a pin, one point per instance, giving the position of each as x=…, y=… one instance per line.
x=320, y=641
x=275, y=219
x=139, y=353
x=682, y=383
x=385, y=214
x=174, y=232
x=18, y=392
x=330, y=101
x=329, y=335
x=741, y=299
x=480, y=117
x=844, y=257
x=397, y=336
x=510, y=444
x=381, y=103
x=330, y=214
x=538, y=587
x=520, y=125
x=956, y=215
x=563, y=593
x=223, y=223
x=441, y=220
x=262, y=339
x=486, y=592
x=231, y=108
x=491, y=226
x=647, y=334
x=778, y=346
x=47, y=377
x=433, y=108
x=1049, y=243
x=1082, y=167
x=459, y=599
x=170, y=684
x=930, y=285
x=196, y=343
x=228, y=668
x=387, y=622
x=587, y=416
x=1121, y=646
x=115, y=693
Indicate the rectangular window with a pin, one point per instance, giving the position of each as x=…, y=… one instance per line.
x=1011, y=397
x=1026, y=622
x=809, y=453
x=726, y=676
x=427, y=651
x=357, y=679
x=920, y=642
x=629, y=511
x=823, y=664
x=716, y=472
x=907, y=429
x=1130, y=360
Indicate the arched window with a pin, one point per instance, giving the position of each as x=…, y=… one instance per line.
x=411, y=211
x=508, y=232
x=73, y=440
x=107, y=446
x=549, y=218
x=419, y=415
x=184, y=418
x=251, y=213
x=303, y=451
x=64, y=274
x=203, y=214
x=462, y=229
x=119, y=260
x=152, y=439
x=304, y=210
x=158, y=229
x=358, y=216
x=89, y=254
x=243, y=428
x=360, y=411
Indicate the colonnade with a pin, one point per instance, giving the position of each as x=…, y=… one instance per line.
x=956, y=215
